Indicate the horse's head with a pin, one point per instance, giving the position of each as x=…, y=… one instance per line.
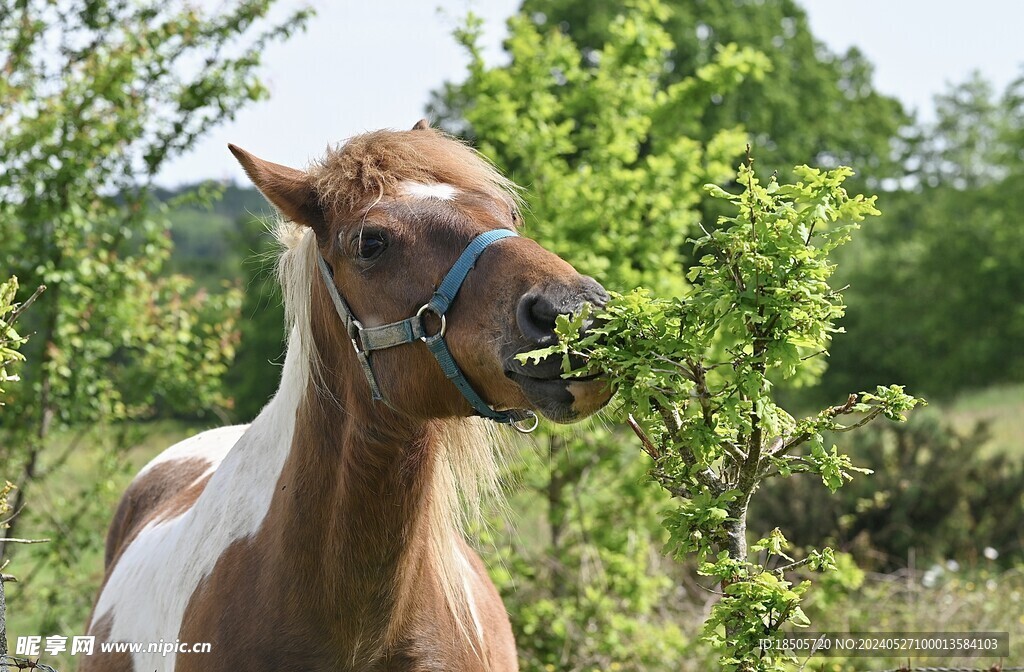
x=392, y=213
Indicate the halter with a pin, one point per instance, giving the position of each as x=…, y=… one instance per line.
x=367, y=339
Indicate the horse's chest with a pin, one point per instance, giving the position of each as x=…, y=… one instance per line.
x=277, y=624
x=283, y=647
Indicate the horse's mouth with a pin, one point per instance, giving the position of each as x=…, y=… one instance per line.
x=561, y=399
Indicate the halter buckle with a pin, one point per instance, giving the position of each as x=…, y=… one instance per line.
x=444, y=324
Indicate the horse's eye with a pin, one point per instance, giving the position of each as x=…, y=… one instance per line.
x=371, y=244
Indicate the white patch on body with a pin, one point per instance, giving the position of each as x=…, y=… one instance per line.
x=210, y=446
x=156, y=575
x=439, y=191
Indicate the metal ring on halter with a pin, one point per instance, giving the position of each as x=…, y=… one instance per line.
x=526, y=429
x=419, y=314
x=354, y=334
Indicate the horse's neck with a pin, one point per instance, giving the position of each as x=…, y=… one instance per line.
x=352, y=523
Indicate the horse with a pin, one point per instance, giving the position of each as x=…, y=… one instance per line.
x=327, y=534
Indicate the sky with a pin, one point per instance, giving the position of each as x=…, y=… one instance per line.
x=366, y=65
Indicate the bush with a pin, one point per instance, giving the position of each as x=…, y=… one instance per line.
x=936, y=493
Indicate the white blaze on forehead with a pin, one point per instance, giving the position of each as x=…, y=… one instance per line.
x=438, y=190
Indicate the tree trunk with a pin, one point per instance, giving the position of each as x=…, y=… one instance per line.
x=736, y=545
x=3, y=627
x=46, y=414
x=557, y=507
x=736, y=529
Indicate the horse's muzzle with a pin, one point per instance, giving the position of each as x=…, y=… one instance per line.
x=559, y=399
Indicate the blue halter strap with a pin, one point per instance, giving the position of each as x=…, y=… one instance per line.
x=367, y=339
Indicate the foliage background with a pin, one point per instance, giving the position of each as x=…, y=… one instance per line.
x=612, y=115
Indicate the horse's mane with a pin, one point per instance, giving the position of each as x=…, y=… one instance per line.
x=467, y=454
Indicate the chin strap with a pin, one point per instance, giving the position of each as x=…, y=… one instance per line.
x=367, y=339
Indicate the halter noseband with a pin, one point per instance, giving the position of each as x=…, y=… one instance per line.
x=367, y=339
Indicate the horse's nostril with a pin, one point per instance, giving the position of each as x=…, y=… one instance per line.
x=540, y=307
x=536, y=316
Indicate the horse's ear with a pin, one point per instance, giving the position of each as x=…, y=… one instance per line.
x=421, y=125
x=289, y=190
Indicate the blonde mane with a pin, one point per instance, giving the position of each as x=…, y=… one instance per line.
x=468, y=454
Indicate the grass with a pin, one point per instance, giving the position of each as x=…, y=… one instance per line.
x=1001, y=406
x=954, y=601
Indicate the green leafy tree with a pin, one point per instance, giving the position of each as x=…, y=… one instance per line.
x=221, y=242
x=790, y=110
x=255, y=372
x=578, y=136
x=96, y=96
x=10, y=356
x=970, y=143
x=694, y=376
x=10, y=340
x=609, y=191
x=934, y=298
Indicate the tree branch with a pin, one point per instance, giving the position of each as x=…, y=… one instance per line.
x=23, y=306
x=872, y=414
x=734, y=452
x=645, y=440
x=3, y=523
x=788, y=445
x=793, y=565
x=686, y=370
x=770, y=471
x=25, y=541
x=673, y=423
